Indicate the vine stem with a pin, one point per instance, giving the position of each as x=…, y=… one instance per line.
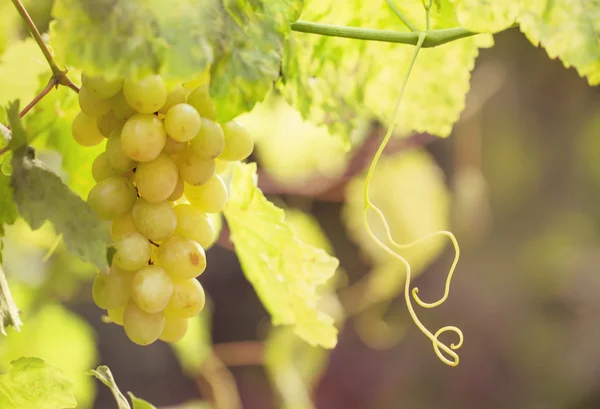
x=51, y=84
x=392, y=5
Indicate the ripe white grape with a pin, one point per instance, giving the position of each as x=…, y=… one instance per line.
x=132, y=252
x=92, y=105
x=122, y=225
x=238, y=142
x=141, y=327
x=115, y=155
x=156, y=180
x=176, y=96
x=174, y=330
x=182, y=257
x=116, y=314
x=108, y=122
x=101, y=169
x=210, y=140
x=210, y=197
x=194, y=224
x=85, y=130
x=182, y=122
x=112, y=197
x=101, y=87
x=200, y=99
x=143, y=137
x=173, y=146
x=155, y=221
x=121, y=108
x=112, y=290
x=193, y=169
x=147, y=95
x=151, y=289
x=188, y=299
x=178, y=191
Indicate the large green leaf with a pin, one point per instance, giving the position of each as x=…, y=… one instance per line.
x=284, y=271
x=31, y=383
x=336, y=81
x=8, y=210
x=487, y=16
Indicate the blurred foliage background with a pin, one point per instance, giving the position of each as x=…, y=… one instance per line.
x=518, y=182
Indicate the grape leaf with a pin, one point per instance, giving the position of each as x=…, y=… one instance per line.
x=487, y=16
x=18, y=136
x=8, y=210
x=41, y=196
x=31, y=383
x=284, y=271
x=104, y=375
x=140, y=403
x=337, y=81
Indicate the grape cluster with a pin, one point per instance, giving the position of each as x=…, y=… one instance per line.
x=158, y=183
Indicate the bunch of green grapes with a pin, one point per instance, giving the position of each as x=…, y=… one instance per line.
x=158, y=183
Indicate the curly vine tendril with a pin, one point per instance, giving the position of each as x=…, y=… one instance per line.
x=439, y=347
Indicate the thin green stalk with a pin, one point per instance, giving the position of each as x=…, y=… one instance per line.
x=427, y=10
x=433, y=39
x=401, y=15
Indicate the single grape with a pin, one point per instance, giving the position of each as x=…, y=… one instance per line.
x=100, y=87
x=108, y=122
x=238, y=142
x=174, y=330
x=177, y=192
x=116, y=314
x=121, y=108
x=200, y=99
x=132, y=252
x=115, y=155
x=147, y=95
x=85, y=130
x=156, y=180
x=112, y=290
x=188, y=299
x=173, y=146
x=112, y=197
x=194, y=224
x=91, y=105
x=143, y=137
x=175, y=96
x=182, y=122
x=210, y=197
x=155, y=221
x=151, y=289
x=101, y=169
x=122, y=225
x=182, y=257
x=193, y=169
x=210, y=140
x=141, y=327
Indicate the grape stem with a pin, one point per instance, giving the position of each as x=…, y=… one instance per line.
x=394, y=7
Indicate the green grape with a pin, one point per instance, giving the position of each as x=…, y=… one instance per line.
x=141, y=327
x=92, y=105
x=173, y=146
x=121, y=108
x=238, y=142
x=188, y=299
x=182, y=122
x=147, y=95
x=151, y=289
x=108, y=122
x=156, y=180
x=101, y=169
x=155, y=221
x=116, y=314
x=200, y=99
x=182, y=257
x=112, y=290
x=175, y=96
x=210, y=141
x=178, y=191
x=100, y=87
x=85, y=130
x=132, y=252
x=143, y=137
x=122, y=225
x=112, y=197
x=193, y=169
x=115, y=155
x=174, y=330
x=221, y=165
x=194, y=224
x=210, y=197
